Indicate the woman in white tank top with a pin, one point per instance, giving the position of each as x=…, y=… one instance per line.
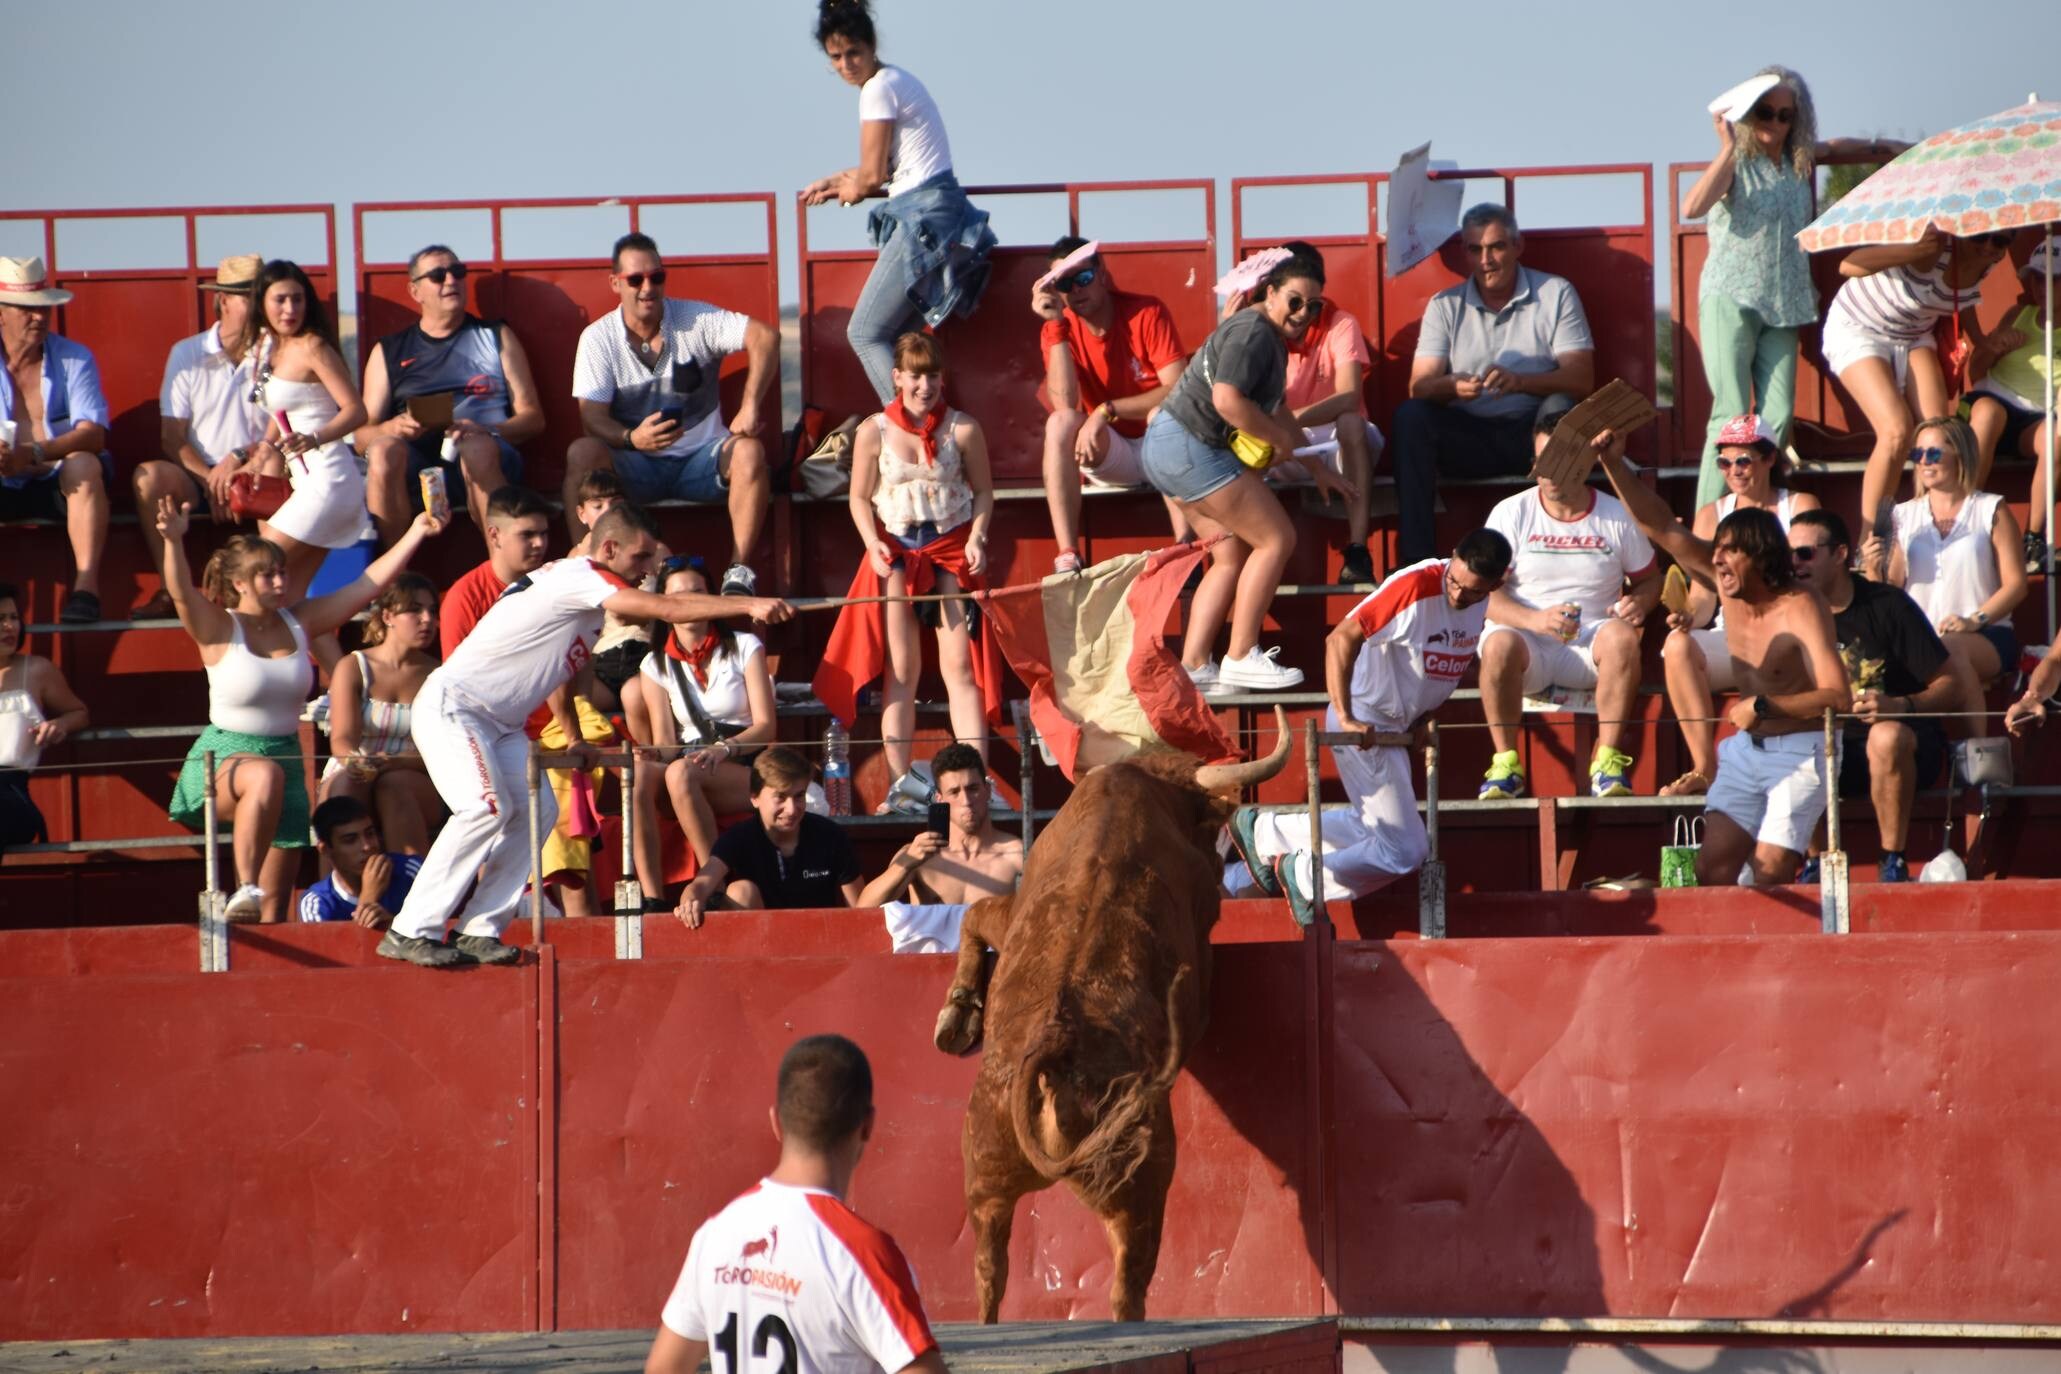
x=255, y=650
x=1958, y=554
x=38, y=710
x=371, y=704
x=1695, y=660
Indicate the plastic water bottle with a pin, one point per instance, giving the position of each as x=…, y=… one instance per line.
x=837, y=768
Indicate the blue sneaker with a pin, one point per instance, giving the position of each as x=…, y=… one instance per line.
x=1504, y=779
x=1247, y=845
x=1892, y=869
x=1809, y=872
x=1300, y=904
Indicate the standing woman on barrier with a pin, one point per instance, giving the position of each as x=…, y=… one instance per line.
x=300, y=374
x=933, y=244
x=1958, y=552
x=709, y=687
x=372, y=754
x=1221, y=426
x=38, y=711
x=255, y=650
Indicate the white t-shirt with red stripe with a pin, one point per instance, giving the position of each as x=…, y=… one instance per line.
x=536, y=637
x=791, y=1281
x=1418, y=646
x=1585, y=560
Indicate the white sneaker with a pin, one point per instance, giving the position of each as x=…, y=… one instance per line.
x=245, y=904
x=1204, y=677
x=1258, y=672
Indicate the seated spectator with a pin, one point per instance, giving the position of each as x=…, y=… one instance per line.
x=705, y=706
x=450, y=352
x=1694, y=656
x=365, y=884
x=1582, y=581
x=518, y=533
x=921, y=498
x=647, y=377
x=624, y=642
x=2008, y=408
x=304, y=385
x=1327, y=369
x=1110, y=358
x=38, y=711
x=53, y=429
x=1879, y=342
x=371, y=704
x=1900, y=674
x=1504, y=348
x=1231, y=399
x=782, y=858
x=210, y=424
x=255, y=649
x=971, y=860
x=1959, y=554
x=2030, y=710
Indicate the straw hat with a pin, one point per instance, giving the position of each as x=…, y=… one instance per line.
x=26, y=281
x=237, y=274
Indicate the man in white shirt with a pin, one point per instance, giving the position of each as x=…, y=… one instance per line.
x=1387, y=667
x=468, y=724
x=1582, y=581
x=788, y=1276
x=208, y=424
x=647, y=379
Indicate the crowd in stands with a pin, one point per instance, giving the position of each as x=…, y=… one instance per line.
x=264, y=428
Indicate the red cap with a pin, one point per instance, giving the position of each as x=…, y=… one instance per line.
x=1746, y=431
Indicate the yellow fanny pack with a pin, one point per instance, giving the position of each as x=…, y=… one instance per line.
x=1256, y=454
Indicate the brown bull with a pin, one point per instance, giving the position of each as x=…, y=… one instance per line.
x=1100, y=989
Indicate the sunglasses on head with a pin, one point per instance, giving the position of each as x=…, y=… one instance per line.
x=1298, y=305
x=1768, y=114
x=1074, y=281
x=684, y=562
x=457, y=271
x=1930, y=457
x=635, y=280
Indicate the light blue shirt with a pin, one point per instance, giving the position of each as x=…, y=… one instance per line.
x=71, y=397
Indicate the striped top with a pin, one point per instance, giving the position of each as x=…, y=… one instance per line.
x=1899, y=304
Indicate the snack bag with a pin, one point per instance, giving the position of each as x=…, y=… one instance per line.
x=436, y=497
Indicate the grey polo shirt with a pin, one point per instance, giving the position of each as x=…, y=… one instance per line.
x=1542, y=322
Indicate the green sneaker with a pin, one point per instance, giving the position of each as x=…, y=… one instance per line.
x=485, y=949
x=413, y=949
x=1504, y=779
x=1610, y=773
x=1242, y=821
x=1301, y=904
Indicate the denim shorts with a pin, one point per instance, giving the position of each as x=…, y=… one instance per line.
x=917, y=535
x=1183, y=466
x=2003, y=637
x=695, y=475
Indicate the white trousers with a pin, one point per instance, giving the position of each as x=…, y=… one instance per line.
x=481, y=770
x=1379, y=840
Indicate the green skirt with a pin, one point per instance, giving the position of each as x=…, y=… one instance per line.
x=189, y=798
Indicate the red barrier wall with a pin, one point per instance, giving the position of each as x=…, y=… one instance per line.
x=1838, y=1127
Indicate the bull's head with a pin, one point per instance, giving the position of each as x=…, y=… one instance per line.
x=1234, y=778
x=1214, y=787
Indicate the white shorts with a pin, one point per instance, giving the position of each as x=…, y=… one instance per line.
x=1717, y=658
x=1120, y=466
x=1553, y=663
x=1773, y=788
x=327, y=508
x=1846, y=343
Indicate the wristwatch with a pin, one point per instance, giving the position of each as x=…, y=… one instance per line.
x=1980, y=618
x=1763, y=709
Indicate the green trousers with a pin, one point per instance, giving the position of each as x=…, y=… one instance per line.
x=1751, y=366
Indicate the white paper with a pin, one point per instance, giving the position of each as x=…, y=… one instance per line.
x=1422, y=213
x=1738, y=102
x=7, y=433
x=1329, y=446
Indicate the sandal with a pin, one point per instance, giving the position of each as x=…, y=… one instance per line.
x=1691, y=784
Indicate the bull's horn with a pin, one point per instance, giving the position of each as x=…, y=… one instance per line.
x=1220, y=777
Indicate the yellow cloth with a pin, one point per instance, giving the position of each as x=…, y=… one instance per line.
x=564, y=855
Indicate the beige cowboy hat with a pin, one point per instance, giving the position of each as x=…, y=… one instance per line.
x=26, y=281
x=236, y=274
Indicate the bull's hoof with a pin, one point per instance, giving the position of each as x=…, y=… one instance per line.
x=958, y=1025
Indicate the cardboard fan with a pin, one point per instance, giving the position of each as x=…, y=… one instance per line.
x=1674, y=590
x=1568, y=457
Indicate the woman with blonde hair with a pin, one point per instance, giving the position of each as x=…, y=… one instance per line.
x=254, y=646
x=371, y=702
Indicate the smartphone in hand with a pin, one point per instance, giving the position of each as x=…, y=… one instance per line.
x=939, y=822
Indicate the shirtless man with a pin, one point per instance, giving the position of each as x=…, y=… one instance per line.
x=1770, y=787
x=974, y=861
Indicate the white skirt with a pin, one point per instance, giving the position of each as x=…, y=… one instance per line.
x=327, y=507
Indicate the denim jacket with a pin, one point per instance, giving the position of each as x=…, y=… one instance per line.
x=945, y=241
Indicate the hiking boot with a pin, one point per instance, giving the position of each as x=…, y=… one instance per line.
x=1301, y=905
x=1357, y=567
x=485, y=949
x=1504, y=779
x=1610, y=773
x=738, y=580
x=414, y=949
x=1247, y=844
x=1258, y=672
x=1892, y=869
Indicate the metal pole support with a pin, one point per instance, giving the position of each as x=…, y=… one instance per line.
x=629, y=892
x=536, y=779
x=214, y=925
x=1027, y=748
x=1833, y=892
x=1309, y=760
x=1431, y=878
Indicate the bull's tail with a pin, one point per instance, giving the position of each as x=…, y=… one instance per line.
x=1106, y=1157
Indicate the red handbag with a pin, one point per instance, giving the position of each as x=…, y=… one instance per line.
x=253, y=495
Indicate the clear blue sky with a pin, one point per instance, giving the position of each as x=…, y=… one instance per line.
x=205, y=102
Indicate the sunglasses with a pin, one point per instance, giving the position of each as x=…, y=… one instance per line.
x=635, y=280
x=1314, y=306
x=1930, y=457
x=1725, y=464
x=1804, y=553
x=1768, y=114
x=1075, y=281
x=684, y=562
x=1995, y=240
x=457, y=271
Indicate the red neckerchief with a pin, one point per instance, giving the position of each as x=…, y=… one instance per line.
x=696, y=660
x=927, y=431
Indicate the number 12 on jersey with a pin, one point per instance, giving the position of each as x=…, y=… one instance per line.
x=770, y=1328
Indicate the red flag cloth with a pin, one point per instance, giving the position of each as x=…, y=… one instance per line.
x=857, y=651
x=1103, y=683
